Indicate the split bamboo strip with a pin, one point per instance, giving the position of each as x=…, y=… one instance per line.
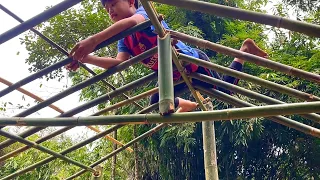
x=312, y=116
x=160, y=30
x=35, y=97
x=278, y=119
x=64, y=152
x=44, y=149
x=166, y=104
x=246, y=56
x=228, y=114
x=232, y=12
x=86, y=105
x=79, y=145
x=48, y=40
x=244, y=76
x=144, y=135
x=47, y=14
x=68, y=60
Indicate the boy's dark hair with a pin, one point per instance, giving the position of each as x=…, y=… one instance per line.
x=136, y=3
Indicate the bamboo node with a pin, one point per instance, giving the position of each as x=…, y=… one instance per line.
x=279, y=22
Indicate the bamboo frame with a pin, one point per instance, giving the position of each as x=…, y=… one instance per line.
x=79, y=145
x=231, y=12
x=57, y=109
x=66, y=151
x=48, y=40
x=86, y=106
x=278, y=119
x=44, y=149
x=250, y=111
x=260, y=61
x=312, y=116
x=144, y=135
x=49, y=13
x=256, y=80
x=68, y=60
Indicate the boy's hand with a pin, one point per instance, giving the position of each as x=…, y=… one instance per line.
x=83, y=48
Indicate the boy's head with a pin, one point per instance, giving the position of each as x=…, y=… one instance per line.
x=120, y=9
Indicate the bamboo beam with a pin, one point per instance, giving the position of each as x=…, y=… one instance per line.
x=278, y=119
x=144, y=135
x=256, y=80
x=48, y=40
x=312, y=116
x=237, y=13
x=47, y=14
x=228, y=114
x=68, y=60
x=64, y=152
x=85, y=106
x=44, y=149
x=165, y=75
x=247, y=56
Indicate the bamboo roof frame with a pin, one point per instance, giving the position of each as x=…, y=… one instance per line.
x=305, y=109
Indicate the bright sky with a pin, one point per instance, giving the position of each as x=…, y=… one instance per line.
x=13, y=67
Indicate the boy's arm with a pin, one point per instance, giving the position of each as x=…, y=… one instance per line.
x=106, y=62
x=83, y=48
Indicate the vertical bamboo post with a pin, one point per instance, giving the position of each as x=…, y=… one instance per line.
x=98, y=174
x=114, y=158
x=209, y=147
x=166, y=104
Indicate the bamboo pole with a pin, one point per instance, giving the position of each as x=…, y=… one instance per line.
x=48, y=40
x=44, y=149
x=161, y=33
x=209, y=148
x=165, y=75
x=228, y=114
x=256, y=80
x=278, y=119
x=312, y=116
x=144, y=135
x=79, y=145
x=247, y=56
x=64, y=152
x=117, y=68
x=232, y=12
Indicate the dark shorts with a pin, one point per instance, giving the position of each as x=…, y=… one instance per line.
x=234, y=65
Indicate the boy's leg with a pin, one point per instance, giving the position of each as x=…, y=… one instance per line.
x=248, y=46
x=182, y=104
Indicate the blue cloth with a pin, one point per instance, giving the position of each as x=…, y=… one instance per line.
x=183, y=48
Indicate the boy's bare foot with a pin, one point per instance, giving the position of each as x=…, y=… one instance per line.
x=186, y=105
x=249, y=46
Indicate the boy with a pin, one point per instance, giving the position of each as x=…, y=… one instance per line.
x=126, y=14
